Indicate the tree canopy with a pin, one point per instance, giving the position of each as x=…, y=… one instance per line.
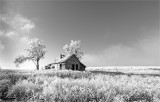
x=35, y=53
x=73, y=48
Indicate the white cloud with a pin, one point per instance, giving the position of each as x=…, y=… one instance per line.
x=11, y=34
x=144, y=52
x=17, y=23
x=28, y=27
x=24, y=39
x=16, y=27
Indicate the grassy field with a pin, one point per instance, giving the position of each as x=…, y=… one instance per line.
x=75, y=86
x=133, y=70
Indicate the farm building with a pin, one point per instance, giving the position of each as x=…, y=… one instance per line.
x=70, y=62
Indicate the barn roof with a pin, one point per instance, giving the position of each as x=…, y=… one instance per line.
x=64, y=59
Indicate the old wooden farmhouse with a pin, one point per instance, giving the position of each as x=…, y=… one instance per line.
x=70, y=62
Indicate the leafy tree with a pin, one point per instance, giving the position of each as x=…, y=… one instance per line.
x=73, y=48
x=35, y=51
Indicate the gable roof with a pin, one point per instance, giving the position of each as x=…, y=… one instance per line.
x=64, y=59
x=60, y=60
x=82, y=64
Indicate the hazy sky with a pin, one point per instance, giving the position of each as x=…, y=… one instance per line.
x=118, y=32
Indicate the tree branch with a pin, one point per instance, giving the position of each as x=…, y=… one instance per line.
x=34, y=62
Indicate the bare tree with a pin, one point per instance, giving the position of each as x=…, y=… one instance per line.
x=73, y=48
x=35, y=51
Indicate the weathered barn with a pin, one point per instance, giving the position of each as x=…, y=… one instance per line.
x=70, y=62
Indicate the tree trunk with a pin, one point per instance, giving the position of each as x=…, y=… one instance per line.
x=37, y=64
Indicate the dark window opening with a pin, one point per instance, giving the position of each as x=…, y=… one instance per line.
x=72, y=66
x=53, y=67
x=76, y=66
x=60, y=66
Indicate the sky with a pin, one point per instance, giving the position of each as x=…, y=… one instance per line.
x=112, y=32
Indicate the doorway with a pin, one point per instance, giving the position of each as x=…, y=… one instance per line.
x=73, y=67
x=76, y=66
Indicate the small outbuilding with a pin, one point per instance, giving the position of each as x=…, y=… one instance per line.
x=70, y=62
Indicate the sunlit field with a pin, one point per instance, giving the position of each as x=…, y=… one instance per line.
x=130, y=70
x=76, y=86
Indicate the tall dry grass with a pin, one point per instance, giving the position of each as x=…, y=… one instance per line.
x=69, y=86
